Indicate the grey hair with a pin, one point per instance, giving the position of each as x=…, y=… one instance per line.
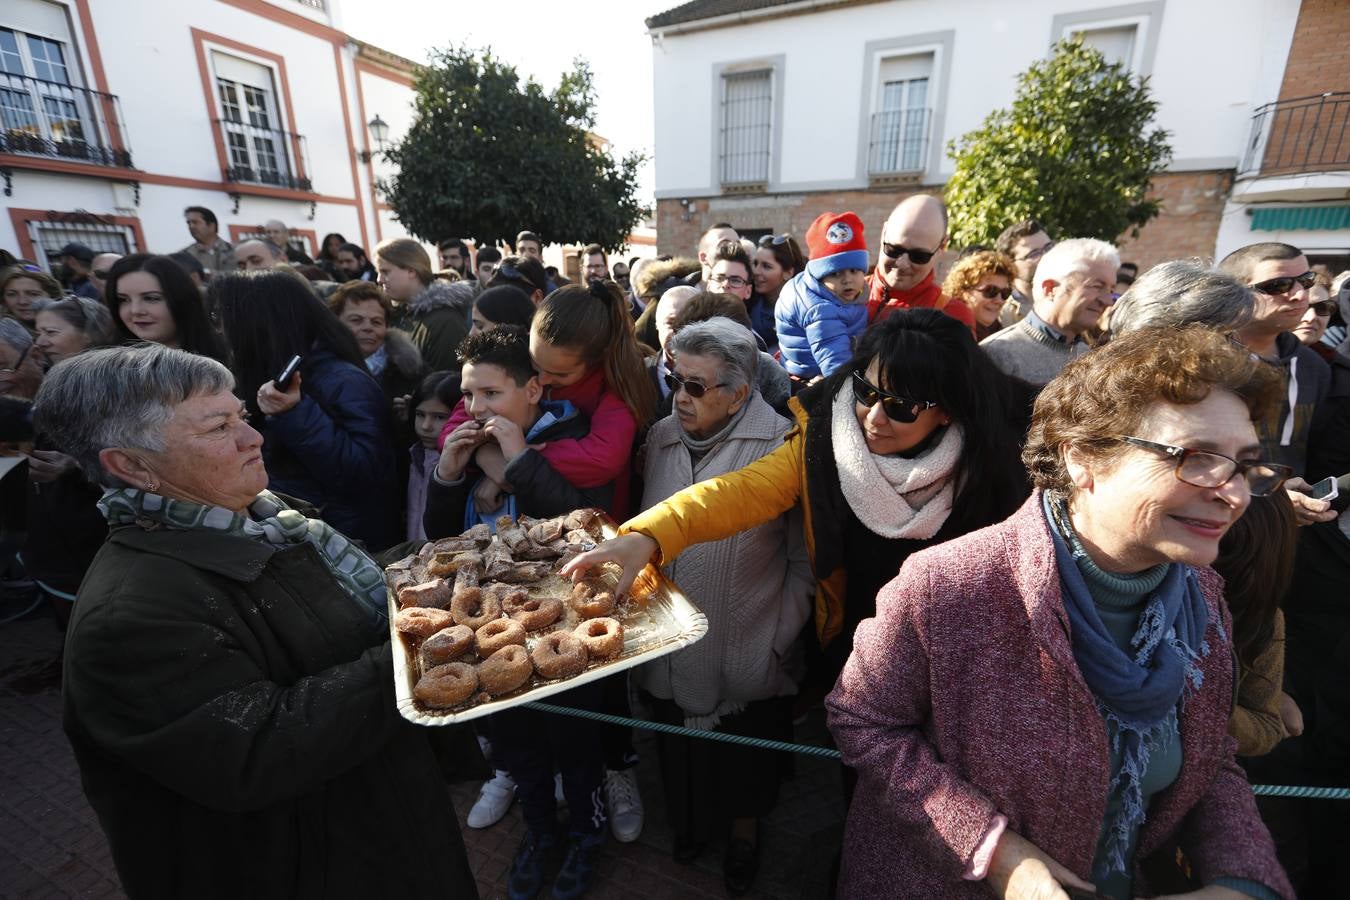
x=276, y=252
x=1182, y=292
x=731, y=343
x=90, y=316
x=120, y=397
x=1070, y=258
x=13, y=333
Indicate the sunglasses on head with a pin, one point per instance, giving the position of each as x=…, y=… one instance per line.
x=918, y=257
x=774, y=240
x=695, y=389
x=1276, y=286
x=989, y=292
x=897, y=408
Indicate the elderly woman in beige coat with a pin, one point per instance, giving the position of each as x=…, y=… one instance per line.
x=755, y=588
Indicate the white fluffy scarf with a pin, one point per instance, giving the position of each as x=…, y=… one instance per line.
x=893, y=496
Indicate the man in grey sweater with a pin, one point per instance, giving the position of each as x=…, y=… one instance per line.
x=1072, y=287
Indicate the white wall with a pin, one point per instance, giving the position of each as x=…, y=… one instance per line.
x=1208, y=72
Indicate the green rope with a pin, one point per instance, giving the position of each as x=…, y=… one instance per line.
x=1261, y=790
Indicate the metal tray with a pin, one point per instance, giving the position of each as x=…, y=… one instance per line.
x=660, y=620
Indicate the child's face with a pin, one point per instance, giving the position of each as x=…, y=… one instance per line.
x=429, y=418
x=846, y=284
x=489, y=390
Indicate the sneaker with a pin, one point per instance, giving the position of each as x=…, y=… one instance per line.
x=537, y=856
x=578, y=869
x=624, y=804
x=493, y=801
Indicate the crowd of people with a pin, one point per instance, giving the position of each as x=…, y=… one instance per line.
x=1050, y=538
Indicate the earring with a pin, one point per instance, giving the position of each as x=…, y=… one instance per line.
x=150, y=485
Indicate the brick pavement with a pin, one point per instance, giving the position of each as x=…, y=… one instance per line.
x=51, y=844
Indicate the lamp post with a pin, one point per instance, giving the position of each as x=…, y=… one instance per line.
x=379, y=132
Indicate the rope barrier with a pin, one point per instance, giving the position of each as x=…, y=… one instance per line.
x=1260, y=790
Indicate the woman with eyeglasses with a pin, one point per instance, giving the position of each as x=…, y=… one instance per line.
x=907, y=446
x=982, y=281
x=1044, y=705
x=776, y=260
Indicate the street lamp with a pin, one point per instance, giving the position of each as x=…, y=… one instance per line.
x=379, y=132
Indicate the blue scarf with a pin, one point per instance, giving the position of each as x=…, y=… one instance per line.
x=1137, y=694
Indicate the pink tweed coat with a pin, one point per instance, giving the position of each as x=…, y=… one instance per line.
x=962, y=700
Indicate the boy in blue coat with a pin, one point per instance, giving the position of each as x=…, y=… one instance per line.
x=823, y=309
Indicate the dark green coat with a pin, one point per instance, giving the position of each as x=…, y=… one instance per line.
x=232, y=712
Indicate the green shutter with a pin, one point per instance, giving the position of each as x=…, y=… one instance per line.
x=1301, y=218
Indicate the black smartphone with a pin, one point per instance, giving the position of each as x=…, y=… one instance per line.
x=283, y=379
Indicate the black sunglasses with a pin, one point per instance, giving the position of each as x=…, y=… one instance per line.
x=989, y=292
x=918, y=257
x=695, y=389
x=1324, y=307
x=774, y=240
x=1276, y=286
x=897, y=408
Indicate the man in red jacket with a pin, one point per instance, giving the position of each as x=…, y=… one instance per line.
x=913, y=236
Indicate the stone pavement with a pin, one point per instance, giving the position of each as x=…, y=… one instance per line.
x=51, y=844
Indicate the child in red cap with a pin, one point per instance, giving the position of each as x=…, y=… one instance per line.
x=823, y=309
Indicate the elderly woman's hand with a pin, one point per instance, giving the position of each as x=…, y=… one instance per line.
x=273, y=402
x=1290, y=715
x=49, y=465
x=1307, y=510
x=1019, y=869
x=632, y=551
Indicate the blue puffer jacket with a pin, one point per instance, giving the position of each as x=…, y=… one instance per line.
x=334, y=449
x=816, y=330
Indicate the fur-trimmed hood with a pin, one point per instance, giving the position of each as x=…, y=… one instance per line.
x=651, y=281
x=442, y=294
x=403, y=353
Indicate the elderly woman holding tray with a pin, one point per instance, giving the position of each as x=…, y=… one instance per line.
x=755, y=588
x=1044, y=704
x=228, y=680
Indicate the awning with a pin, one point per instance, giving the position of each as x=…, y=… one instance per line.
x=1301, y=218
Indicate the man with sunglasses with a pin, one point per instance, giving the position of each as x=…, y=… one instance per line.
x=914, y=234
x=1025, y=242
x=98, y=273
x=1279, y=278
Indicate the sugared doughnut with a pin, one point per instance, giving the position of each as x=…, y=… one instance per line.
x=559, y=655
x=474, y=608
x=422, y=621
x=445, y=645
x=505, y=670
x=532, y=612
x=497, y=634
x=591, y=600
x=429, y=593
x=602, y=638
x=446, y=685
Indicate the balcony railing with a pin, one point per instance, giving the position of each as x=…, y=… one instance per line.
x=1307, y=134
x=899, y=143
x=47, y=118
x=264, y=156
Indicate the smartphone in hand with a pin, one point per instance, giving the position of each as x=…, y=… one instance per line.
x=284, y=378
x=1324, y=489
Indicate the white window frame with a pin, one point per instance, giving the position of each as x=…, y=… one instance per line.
x=878, y=107
x=938, y=47
x=764, y=74
x=42, y=116
x=287, y=165
x=1145, y=17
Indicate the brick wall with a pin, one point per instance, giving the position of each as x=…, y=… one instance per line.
x=1312, y=135
x=1319, y=59
x=1188, y=226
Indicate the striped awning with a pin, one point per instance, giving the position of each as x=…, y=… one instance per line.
x=1301, y=218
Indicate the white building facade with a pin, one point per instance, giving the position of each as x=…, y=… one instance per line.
x=787, y=109
x=117, y=115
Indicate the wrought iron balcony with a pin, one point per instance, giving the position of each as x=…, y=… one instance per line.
x=899, y=144
x=1306, y=134
x=264, y=156
x=47, y=118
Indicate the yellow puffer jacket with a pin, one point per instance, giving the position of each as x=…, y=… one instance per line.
x=720, y=507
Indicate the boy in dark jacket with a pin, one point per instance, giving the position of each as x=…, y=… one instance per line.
x=503, y=395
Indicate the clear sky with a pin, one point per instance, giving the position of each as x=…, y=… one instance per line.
x=540, y=41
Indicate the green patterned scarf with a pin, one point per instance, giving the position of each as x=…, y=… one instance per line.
x=270, y=520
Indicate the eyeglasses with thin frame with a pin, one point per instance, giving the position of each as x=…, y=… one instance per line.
x=731, y=281
x=694, y=389
x=989, y=292
x=1274, y=287
x=916, y=256
x=1035, y=254
x=897, y=408
x=1207, y=469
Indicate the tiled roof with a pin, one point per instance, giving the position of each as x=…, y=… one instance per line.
x=708, y=9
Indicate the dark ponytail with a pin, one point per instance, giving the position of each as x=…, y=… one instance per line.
x=593, y=322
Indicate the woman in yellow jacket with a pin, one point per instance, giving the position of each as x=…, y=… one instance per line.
x=908, y=446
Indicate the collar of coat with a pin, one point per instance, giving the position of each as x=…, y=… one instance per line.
x=236, y=558
x=760, y=422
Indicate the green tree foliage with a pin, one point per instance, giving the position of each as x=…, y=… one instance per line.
x=1075, y=152
x=488, y=155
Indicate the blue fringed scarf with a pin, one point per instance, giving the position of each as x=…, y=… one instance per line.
x=1137, y=694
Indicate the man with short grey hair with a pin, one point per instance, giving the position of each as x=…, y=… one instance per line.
x=1182, y=292
x=280, y=237
x=257, y=254
x=1074, y=284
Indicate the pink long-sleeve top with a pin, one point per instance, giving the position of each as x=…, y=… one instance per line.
x=962, y=703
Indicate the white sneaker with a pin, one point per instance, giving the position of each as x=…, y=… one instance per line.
x=624, y=804
x=493, y=801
